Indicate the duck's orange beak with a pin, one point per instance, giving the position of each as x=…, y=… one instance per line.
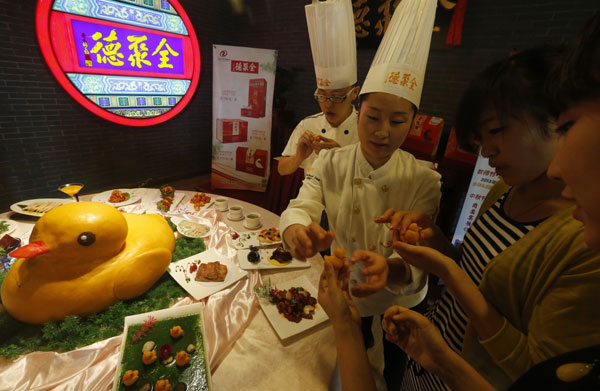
x=30, y=250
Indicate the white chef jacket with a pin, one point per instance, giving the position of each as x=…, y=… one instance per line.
x=345, y=134
x=353, y=194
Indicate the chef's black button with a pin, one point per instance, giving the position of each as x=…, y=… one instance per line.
x=323, y=131
x=346, y=131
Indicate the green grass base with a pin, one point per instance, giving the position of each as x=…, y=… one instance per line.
x=17, y=338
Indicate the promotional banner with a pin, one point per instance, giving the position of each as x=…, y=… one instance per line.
x=243, y=80
x=484, y=177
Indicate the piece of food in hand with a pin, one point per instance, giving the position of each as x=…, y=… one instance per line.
x=253, y=255
x=412, y=234
x=317, y=138
x=211, y=272
x=281, y=255
x=337, y=259
x=269, y=235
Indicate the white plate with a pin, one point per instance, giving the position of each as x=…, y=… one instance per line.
x=104, y=196
x=175, y=312
x=247, y=239
x=18, y=206
x=264, y=263
x=178, y=220
x=180, y=271
x=10, y=227
x=285, y=328
x=232, y=219
x=259, y=226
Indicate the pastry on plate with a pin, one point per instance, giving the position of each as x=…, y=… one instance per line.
x=211, y=272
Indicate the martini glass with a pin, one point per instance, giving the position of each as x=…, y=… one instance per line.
x=71, y=189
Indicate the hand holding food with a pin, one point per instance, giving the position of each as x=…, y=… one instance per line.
x=334, y=297
x=306, y=241
x=401, y=221
x=412, y=234
x=417, y=336
x=305, y=145
x=320, y=142
x=338, y=258
x=376, y=272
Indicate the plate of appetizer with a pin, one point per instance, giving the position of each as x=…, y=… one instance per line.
x=165, y=346
x=118, y=197
x=7, y=226
x=206, y=273
x=197, y=203
x=192, y=229
x=38, y=207
x=291, y=307
x=164, y=204
x=246, y=239
x=272, y=257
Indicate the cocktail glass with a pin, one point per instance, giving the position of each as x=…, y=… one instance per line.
x=71, y=189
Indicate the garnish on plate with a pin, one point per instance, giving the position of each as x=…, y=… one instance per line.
x=4, y=226
x=146, y=328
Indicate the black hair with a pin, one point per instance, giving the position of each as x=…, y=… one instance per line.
x=576, y=76
x=513, y=87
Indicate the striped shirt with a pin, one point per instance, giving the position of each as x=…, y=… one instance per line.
x=488, y=236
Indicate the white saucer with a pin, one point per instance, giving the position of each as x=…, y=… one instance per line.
x=232, y=219
x=252, y=228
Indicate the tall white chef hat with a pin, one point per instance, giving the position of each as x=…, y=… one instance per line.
x=333, y=42
x=399, y=64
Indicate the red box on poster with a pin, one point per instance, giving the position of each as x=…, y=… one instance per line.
x=424, y=136
x=257, y=99
x=251, y=161
x=455, y=152
x=232, y=130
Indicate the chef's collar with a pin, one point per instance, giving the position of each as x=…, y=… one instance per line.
x=365, y=170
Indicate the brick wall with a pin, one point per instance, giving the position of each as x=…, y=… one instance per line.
x=47, y=139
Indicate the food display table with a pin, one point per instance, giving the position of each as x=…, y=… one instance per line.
x=244, y=351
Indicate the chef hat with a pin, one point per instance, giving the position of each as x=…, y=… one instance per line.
x=333, y=42
x=399, y=64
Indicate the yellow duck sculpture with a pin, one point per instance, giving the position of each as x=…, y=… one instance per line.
x=82, y=258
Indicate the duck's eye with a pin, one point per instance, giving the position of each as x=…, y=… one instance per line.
x=86, y=239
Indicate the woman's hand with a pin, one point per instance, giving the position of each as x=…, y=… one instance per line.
x=424, y=258
x=399, y=221
x=376, y=272
x=306, y=241
x=334, y=297
x=417, y=336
